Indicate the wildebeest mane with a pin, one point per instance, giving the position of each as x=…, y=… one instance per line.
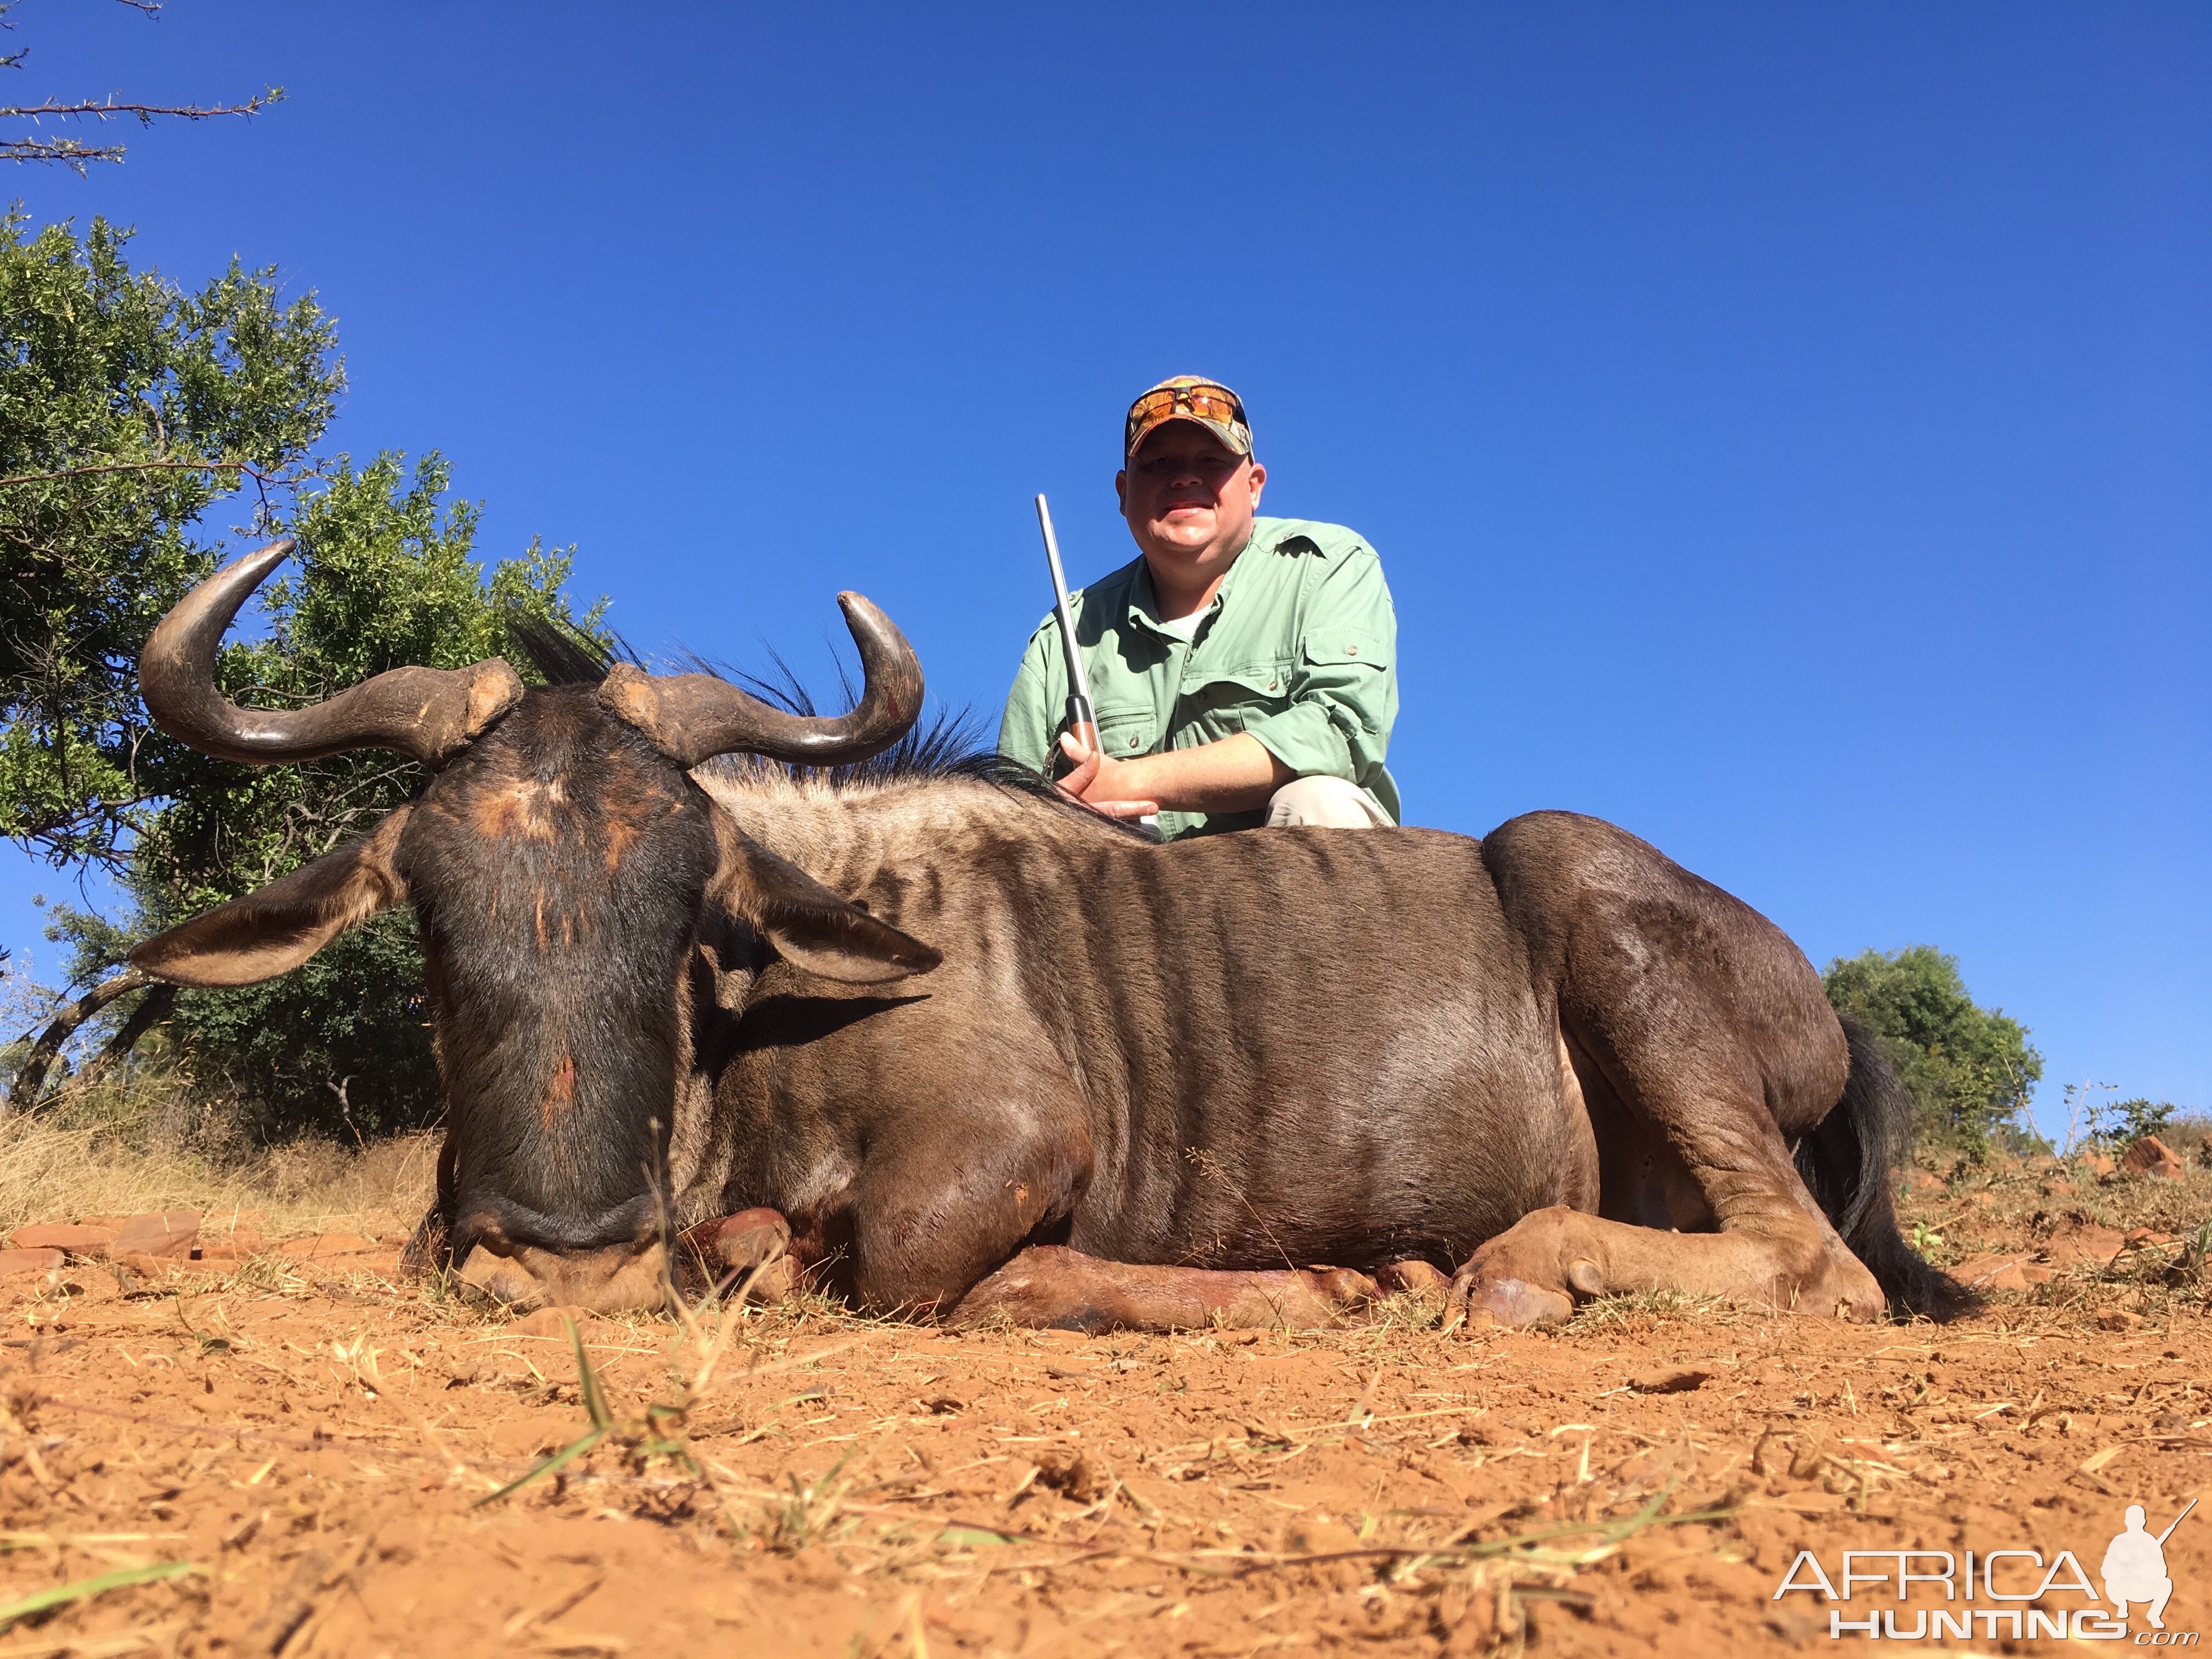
x=563, y=654
x=948, y=745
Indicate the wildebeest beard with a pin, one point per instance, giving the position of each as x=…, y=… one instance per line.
x=556, y=868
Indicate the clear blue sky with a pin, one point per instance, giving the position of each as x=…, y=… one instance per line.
x=1788, y=430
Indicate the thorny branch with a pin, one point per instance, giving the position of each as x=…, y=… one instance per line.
x=73, y=153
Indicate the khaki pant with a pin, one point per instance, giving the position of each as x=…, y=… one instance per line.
x=1328, y=803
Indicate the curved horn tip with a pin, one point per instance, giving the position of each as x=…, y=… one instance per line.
x=849, y=602
x=265, y=559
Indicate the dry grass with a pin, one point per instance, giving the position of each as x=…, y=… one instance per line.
x=65, y=1170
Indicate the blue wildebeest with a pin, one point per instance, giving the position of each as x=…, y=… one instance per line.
x=987, y=1054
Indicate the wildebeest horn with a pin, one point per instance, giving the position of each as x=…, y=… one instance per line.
x=428, y=713
x=691, y=717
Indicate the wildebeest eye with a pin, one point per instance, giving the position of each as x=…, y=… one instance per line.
x=861, y=905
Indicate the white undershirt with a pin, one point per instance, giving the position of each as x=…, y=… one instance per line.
x=1186, y=626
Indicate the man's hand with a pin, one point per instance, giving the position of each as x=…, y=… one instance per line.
x=1100, y=782
x=1234, y=774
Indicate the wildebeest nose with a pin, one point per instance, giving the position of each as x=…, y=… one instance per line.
x=503, y=1226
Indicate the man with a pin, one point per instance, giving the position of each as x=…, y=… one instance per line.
x=1242, y=668
x=2135, y=1569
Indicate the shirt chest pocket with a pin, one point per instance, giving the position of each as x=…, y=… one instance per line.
x=1235, y=698
x=1348, y=649
x=1127, y=729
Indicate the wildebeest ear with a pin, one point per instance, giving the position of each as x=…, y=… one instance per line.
x=275, y=930
x=810, y=927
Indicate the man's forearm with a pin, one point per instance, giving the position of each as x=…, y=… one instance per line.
x=1236, y=774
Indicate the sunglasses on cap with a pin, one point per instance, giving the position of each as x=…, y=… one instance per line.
x=1202, y=400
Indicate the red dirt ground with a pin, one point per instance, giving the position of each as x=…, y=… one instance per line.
x=318, y=1441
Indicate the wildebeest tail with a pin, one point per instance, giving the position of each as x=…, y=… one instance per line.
x=1848, y=1161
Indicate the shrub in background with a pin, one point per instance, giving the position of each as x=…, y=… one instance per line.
x=1971, y=1069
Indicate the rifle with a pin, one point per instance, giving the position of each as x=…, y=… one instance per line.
x=1081, y=720
x=2178, y=1520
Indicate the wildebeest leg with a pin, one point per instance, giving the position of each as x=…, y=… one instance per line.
x=749, y=1251
x=1707, y=1025
x=1059, y=1289
x=1773, y=1245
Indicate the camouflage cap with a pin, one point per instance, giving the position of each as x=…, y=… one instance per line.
x=1189, y=397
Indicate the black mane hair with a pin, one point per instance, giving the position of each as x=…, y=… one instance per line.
x=948, y=743
x=562, y=654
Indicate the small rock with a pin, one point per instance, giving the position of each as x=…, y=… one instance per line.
x=171, y=1232
x=1993, y=1273
x=2080, y=1242
x=1669, y=1382
x=316, y=1245
x=2141, y=1236
x=2098, y=1164
x=1318, y=1535
x=221, y=1253
x=2034, y=1272
x=58, y=1236
x=87, y=1286
x=2119, y=1319
x=2153, y=1158
x=28, y=1261
x=2061, y=1188
x=1074, y=1475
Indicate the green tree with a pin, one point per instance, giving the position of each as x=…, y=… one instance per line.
x=1971, y=1069
x=127, y=411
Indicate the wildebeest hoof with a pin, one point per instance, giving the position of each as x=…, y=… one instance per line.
x=1412, y=1277
x=1419, y=1282
x=1479, y=1299
x=1842, y=1289
x=1529, y=1274
x=754, y=1245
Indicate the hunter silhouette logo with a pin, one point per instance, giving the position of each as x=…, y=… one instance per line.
x=2135, y=1567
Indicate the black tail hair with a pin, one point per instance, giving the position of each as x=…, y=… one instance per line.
x=1848, y=1163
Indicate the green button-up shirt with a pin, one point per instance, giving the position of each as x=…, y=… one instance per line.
x=1298, y=648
